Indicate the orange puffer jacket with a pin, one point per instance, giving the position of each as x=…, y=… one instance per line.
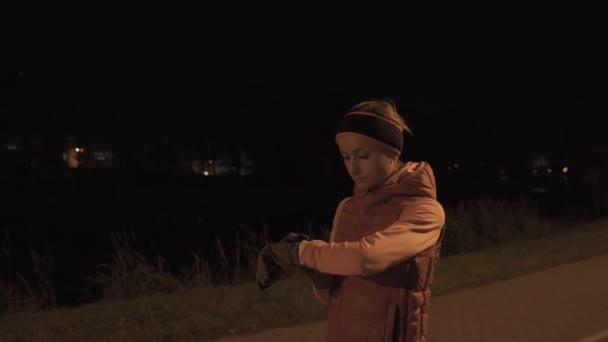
x=385, y=244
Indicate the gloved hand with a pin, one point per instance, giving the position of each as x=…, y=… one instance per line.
x=320, y=280
x=275, y=258
x=286, y=252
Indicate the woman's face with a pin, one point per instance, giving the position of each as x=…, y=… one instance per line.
x=366, y=160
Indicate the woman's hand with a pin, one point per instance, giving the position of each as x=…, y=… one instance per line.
x=275, y=258
x=268, y=271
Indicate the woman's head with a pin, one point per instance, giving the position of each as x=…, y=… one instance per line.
x=385, y=108
x=370, y=139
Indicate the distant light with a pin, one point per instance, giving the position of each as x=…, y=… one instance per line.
x=205, y=173
x=534, y=171
x=540, y=162
x=210, y=161
x=102, y=156
x=10, y=147
x=78, y=149
x=549, y=170
x=565, y=169
x=456, y=166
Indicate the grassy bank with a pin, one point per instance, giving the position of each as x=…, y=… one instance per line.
x=206, y=312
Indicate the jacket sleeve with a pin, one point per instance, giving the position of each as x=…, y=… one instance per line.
x=417, y=228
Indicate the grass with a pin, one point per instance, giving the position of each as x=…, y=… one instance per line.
x=207, y=312
x=521, y=256
x=16, y=292
x=127, y=274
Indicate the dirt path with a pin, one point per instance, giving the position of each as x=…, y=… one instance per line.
x=564, y=303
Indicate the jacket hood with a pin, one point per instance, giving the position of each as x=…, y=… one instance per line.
x=412, y=179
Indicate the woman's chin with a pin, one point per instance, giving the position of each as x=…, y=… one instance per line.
x=363, y=187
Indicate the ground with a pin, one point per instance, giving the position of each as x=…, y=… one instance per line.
x=564, y=303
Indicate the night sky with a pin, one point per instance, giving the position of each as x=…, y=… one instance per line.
x=469, y=86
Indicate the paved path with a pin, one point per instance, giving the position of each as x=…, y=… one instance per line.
x=564, y=303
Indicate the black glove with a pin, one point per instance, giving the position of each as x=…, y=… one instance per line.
x=320, y=280
x=277, y=257
x=268, y=272
x=286, y=252
x=295, y=237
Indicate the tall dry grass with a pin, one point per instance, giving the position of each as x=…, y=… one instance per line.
x=29, y=291
x=484, y=222
x=128, y=274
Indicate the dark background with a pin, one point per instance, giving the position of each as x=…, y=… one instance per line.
x=161, y=87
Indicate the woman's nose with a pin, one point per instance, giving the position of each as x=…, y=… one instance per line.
x=354, y=167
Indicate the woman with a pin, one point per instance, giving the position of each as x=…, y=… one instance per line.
x=376, y=272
